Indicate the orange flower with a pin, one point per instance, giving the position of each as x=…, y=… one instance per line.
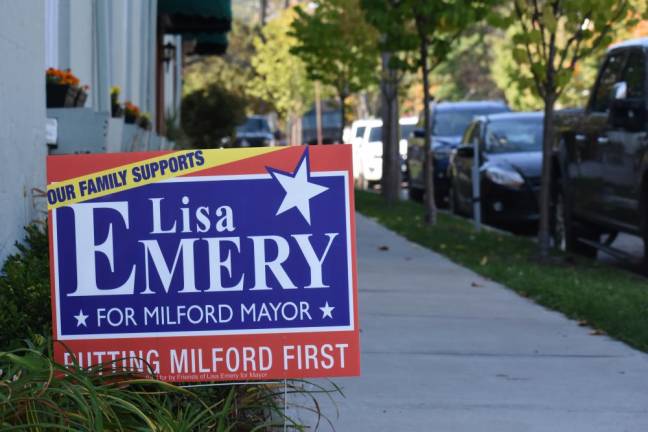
x=63, y=77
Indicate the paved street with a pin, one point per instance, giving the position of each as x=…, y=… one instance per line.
x=445, y=350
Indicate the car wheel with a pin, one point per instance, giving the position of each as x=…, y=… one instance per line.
x=440, y=200
x=567, y=232
x=415, y=194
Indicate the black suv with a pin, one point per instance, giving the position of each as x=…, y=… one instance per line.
x=255, y=132
x=601, y=155
x=448, y=121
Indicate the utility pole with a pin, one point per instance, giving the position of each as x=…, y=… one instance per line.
x=318, y=113
x=476, y=185
x=263, y=12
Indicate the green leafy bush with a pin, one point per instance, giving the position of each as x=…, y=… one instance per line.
x=25, y=290
x=38, y=394
x=211, y=114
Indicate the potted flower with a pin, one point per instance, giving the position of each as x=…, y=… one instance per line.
x=62, y=87
x=144, y=121
x=115, y=107
x=131, y=112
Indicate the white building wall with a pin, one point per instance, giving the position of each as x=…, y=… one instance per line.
x=119, y=43
x=22, y=118
x=110, y=43
x=76, y=42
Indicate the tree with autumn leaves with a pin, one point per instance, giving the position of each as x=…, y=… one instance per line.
x=550, y=38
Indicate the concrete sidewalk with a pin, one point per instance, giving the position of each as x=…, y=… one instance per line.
x=445, y=350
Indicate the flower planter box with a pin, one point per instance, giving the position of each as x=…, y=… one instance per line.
x=130, y=119
x=116, y=110
x=61, y=96
x=80, y=99
x=144, y=123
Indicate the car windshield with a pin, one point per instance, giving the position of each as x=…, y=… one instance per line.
x=455, y=122
x=254, y=124
x=375, y=134
x=406, y=130
x=514, y=135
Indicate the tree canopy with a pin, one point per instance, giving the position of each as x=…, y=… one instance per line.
x=337, y=45
x=549, y=39
x=280, y=76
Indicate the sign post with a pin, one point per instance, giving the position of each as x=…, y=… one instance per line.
x=206, y=265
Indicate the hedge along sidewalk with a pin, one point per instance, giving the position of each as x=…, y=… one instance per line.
x=606, y=298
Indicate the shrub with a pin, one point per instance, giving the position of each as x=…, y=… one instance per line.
x=211, y=114
x=36, y=393
x=25, y=290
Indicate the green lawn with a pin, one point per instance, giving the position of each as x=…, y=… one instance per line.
x=607, y=298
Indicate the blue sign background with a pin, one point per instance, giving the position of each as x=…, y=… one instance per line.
x=254, y=203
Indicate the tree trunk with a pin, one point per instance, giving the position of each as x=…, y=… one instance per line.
x=544, y=232
x=391, y=177
x=318, y=113
x=263, y=10
x=428, y=168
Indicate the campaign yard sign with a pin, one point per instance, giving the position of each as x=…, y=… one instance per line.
x=207, y=265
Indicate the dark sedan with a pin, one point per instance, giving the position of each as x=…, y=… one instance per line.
x=510, y=164
x=448, y=121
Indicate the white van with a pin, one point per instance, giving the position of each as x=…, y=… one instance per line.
x=372, y=149
x=357, y=135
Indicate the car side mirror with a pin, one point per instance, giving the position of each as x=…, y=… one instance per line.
x=466, y=152
x=418, y=133
x=619, y=91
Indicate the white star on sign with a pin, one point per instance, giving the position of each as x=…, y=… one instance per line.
x=299, y=190
x=81, y=319
x=327, y=311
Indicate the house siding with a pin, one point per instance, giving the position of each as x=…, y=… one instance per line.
x=22, y=116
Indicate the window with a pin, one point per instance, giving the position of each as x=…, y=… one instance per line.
x=515, y=135
x=610, y=75
x=375, y=134
x=360, y=132
x=635, y=74
x=406, y=130
x=454, y=122
x=254, y=124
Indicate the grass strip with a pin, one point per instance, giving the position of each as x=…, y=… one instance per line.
x=609, y=299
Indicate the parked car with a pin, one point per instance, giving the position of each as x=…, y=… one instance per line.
x=332, y=127
x=371, y=149
x=448, y=122
x=407, y=126
x=370, y=154
x=356, y=138
x=601, y=157
x=255, y=132
x=510, y=166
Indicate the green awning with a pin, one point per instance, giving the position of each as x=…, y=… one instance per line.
x=211, y=44
x=195, y=16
